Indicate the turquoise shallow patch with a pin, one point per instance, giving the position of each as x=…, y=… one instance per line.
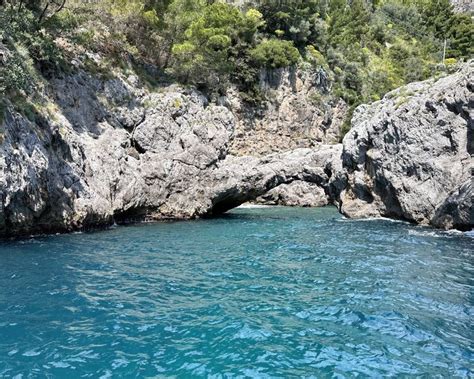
x=262, y=292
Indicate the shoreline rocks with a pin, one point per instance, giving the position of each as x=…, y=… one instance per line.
x=108, y=152
x=409, y=156
x=296, y=194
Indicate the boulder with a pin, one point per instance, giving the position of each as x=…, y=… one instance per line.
x=297, y=193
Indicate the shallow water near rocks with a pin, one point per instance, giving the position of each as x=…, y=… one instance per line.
x=260, y=292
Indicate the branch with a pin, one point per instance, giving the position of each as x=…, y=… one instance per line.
x=43, y=14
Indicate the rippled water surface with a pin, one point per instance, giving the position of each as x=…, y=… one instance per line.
x=270, y=292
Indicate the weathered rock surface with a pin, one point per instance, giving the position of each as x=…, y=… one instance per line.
x=408, y=156
x=463, y=6
x=236, y=180
x=298, y=113
x=113, y=153
x=108, y=151
x=298, y=193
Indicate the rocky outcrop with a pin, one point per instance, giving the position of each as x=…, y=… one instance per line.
x=241, y=179
x=105, y=151
x=109, y=152
x=298, y=112
x=408, y=156
x=296, y=194
x=466, y=6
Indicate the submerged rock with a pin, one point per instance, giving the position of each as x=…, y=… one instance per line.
x=408, y=156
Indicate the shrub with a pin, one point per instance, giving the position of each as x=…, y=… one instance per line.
x=14, y=75
x=315, y=57
x=275, y=53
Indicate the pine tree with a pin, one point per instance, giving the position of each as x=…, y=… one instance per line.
x=437, y=16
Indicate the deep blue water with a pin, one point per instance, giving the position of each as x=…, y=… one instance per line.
x=259, y=293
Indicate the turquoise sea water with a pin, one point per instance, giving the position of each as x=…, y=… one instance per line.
x=259, y=293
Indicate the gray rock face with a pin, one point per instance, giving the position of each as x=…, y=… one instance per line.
x=456, y=211
x=298, y=113
x=297, y=193
x=241, y=179
x=108, y=151
x=112, y=153
x=408, y=156
x=463, y=6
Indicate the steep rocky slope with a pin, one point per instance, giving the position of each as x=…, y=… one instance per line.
x=107, y=151
x=409, y=156
x=299, y=111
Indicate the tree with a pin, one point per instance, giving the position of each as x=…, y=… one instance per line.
x=437, y=16
x=292, y=20
x=177, y=19
x=358, y=26
x=275, y=53
x=461, y=36
x=338, y=18
x=215, y=36
x=348, y=24
x=42, y=9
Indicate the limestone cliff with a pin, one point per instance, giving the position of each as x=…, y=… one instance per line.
x=103, y=151
x=298, y=111
x=108, y=151
x=409, y=155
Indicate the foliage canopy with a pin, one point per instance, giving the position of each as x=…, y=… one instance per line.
x=367, y=46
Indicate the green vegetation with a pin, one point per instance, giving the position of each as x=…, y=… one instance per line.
x=368, y=47
x=216, y=38
x=3, y=109
x=275, y=53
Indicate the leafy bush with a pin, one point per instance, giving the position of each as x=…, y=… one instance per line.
x=14, y=76
x=275, y=53
x=213, y=45
x=315, y=57
x=62, y=21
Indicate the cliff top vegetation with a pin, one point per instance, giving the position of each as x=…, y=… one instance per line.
x=366, y=47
